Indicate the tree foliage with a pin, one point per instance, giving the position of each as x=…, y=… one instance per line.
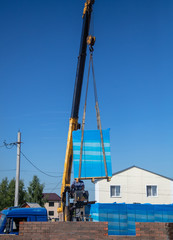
x=4, y=193
x=7, y=193
x=35, y=191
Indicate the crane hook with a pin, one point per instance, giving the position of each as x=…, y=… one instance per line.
x=91, y=41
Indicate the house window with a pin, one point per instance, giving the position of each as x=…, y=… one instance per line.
x=51, y=204
x=115, y=191
x=152, y=191
x=51, y=213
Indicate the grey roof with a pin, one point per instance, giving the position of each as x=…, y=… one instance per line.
x=32, y=205
x=143, y=170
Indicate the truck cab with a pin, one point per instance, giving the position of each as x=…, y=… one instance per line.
x=10, y=218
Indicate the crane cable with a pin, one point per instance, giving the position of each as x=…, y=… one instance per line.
x=83, y=119
x=99, y=127
x=99, y=120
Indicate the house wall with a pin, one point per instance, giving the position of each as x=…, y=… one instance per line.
x=54, y=209
x=133, y=184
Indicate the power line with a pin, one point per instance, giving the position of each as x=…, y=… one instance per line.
x=31, y=171
x=37, y=167
x=56, y=187
x=9, y=145
x=7, y=170
x=27, y=171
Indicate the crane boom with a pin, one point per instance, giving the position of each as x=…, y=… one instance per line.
x=73, y=123
x=81, y=59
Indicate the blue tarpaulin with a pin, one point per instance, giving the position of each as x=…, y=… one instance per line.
x=121, y=218
x=92, y=155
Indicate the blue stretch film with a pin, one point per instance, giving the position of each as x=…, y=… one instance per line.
x=92, y=154
x=121, y=218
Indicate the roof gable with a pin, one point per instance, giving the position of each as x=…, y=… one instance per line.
x=171, y=179
x=31, y=205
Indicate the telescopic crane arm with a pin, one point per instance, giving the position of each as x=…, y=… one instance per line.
x=81, y=58
x=73, y=123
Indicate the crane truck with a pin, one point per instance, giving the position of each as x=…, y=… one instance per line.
x=72, y=204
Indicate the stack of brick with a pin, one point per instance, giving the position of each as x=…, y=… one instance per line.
x=88, y=230
x=63, y=230
x=155, y=231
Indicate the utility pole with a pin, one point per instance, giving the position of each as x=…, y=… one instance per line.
x=16, y=201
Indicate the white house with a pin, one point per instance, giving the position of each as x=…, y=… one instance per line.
x=52, y=203
x=135, y=185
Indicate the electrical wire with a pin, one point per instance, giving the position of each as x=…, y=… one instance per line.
x=9, y=145
x=8, y=170
x=36, y=166
x=56, y=187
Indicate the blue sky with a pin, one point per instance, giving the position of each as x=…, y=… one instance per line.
x=133, y=61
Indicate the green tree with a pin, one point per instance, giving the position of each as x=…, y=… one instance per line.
x=7, y=193
x=22, y=193
x=35, y=191
x=11, y=192
x=3, y=193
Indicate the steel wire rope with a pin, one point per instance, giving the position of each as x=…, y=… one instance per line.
x=98, y=117
x=83, y=120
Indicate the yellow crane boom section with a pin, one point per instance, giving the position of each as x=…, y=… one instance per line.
x=73, y=124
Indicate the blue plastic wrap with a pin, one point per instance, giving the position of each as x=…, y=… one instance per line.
x=121, y=218
x=92, y=155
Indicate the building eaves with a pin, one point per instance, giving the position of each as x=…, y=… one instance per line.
x=171, y=179
x=143, y=170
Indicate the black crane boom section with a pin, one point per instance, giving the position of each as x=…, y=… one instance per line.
x=81, y=59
